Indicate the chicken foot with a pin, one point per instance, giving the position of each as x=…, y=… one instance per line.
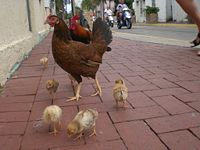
x=55, y=131
x=79, y=136
x=77, y=94
x=94, y=132
x=99, y=90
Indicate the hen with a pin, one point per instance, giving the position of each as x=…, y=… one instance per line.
x=76, y=58
x=120, y=92
x=79, y=33
x=82, y=122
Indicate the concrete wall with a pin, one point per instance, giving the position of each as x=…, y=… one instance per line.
x=16, y=39
x=162, y=13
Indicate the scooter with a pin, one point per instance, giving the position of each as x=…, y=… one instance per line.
x=124, y=19
x=110, y=20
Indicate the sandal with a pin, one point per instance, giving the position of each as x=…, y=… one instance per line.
x=196, y=41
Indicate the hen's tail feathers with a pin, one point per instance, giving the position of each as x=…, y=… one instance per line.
x=101, y=31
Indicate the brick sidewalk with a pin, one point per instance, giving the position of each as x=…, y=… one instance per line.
x=162, y=111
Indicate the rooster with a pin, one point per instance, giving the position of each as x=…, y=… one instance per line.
x=76, y=58
x=79, y=33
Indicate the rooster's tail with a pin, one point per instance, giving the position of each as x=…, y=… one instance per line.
x=101, y=32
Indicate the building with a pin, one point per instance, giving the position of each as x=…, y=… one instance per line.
x=169, y=10
x=22, y=27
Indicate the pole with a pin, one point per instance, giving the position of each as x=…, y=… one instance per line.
x=72, y=5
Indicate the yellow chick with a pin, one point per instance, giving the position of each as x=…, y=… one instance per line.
x=120, y=92
x=52, y=115
x=83, y=121
x=44, y=61
x=52, y=86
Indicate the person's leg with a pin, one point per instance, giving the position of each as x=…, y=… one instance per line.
x=190, y=7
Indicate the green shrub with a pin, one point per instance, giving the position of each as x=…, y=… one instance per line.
x=151, y=10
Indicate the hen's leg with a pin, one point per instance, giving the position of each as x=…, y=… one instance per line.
x=99, y=91
x=77, y=95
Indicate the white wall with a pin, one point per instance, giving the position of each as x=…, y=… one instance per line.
x=162, y=13
x=168, y=10
x=177, y=12
x=16, y=40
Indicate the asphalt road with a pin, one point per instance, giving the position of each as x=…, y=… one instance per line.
x=178, y=33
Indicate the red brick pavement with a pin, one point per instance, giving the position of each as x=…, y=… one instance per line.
x=162, y=110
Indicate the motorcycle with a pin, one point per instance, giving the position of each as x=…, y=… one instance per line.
x=110, y=20
x=124, y=19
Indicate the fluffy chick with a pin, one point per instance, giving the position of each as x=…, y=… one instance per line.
x=120, y=92
x=52, y=86
x=83, y=121
x=44, y=61
x=52, y=115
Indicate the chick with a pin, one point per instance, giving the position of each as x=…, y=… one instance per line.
x=83, y=121
x=52, y=115
x=120, y=92
x=44, y=61
x=52, y=86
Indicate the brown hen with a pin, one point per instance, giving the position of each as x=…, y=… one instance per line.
x=76, y=58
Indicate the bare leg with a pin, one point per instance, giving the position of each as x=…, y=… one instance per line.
x=94, y=132
x=190, y=7
x=99, y=91
x=117, y=103
x=55, y=131
x=79, y=136
x=77, y=96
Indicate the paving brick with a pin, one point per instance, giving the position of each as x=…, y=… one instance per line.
x=139, y=99
x=192, y=86
x=155, y=76
x=137, y=80
x=173, y=123
x=83, y=100
x=165, y=92
x=17, y=99
x=23, y=82
x=113, y=77
x=143, y=87
x=105, y=106
x=138, y=113
x=29, y=72
x=15, y=107
x=196, y=131
x=12, y=128
x=138, y=136
x=162, y=83
x=10, y=142
x=14, y=116
x=195, y=105
x=173, y=105
x=182, y=140
x=43, y=140
x=188, y=97
x=105, y=130
x=117, y=145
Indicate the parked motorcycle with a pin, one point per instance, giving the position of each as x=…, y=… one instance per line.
x=124, y=19
x=110, y=20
